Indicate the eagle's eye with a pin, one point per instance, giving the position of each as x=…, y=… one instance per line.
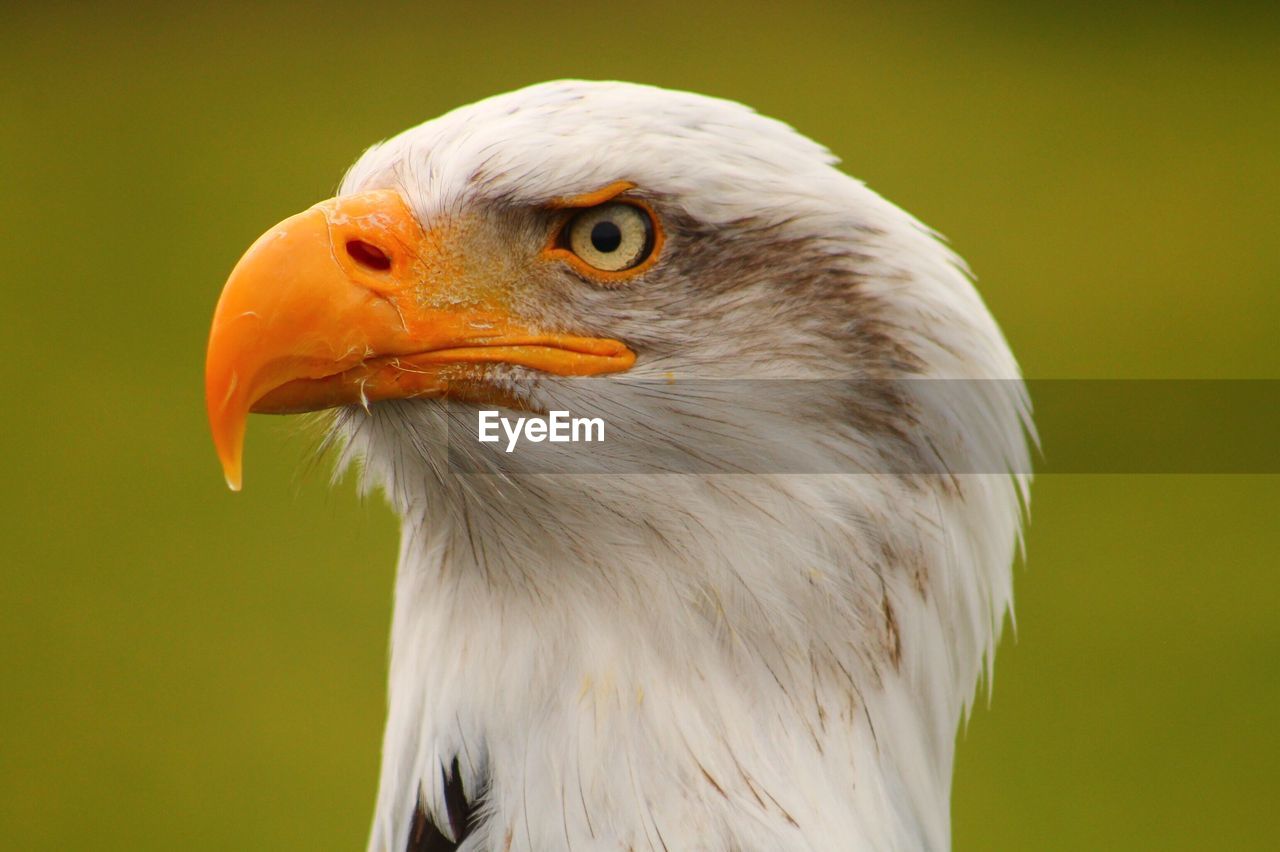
x=611, y=237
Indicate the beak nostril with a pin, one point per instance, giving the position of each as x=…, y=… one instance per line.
x=368, y=255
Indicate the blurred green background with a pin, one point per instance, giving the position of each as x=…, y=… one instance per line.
x=181, y=667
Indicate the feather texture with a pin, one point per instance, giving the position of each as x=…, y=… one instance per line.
x=763, y=661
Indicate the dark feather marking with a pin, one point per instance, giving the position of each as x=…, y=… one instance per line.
x=893, y=639
x=710, y=780
x=751, y=785
x=817, y=702
x=424, y=836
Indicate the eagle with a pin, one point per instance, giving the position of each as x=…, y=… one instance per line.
x=772, y=649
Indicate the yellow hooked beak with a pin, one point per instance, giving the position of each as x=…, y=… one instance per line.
x=353, y=301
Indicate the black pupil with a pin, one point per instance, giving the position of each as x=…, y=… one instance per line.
x=606, y=237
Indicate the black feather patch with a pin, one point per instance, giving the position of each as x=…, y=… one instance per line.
x=424, y=836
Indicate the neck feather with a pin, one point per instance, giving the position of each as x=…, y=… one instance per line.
x=774, y=660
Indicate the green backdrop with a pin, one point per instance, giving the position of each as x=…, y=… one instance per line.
x=181, y=667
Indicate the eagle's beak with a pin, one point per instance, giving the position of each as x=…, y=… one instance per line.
x=353, y=301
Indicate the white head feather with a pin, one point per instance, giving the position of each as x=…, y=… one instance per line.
x=771, y=661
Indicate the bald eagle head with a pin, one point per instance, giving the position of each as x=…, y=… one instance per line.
x=755, y=619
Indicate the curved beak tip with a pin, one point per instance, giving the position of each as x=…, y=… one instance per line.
x=232, y=472
x=232, y=462
x=228, y=428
